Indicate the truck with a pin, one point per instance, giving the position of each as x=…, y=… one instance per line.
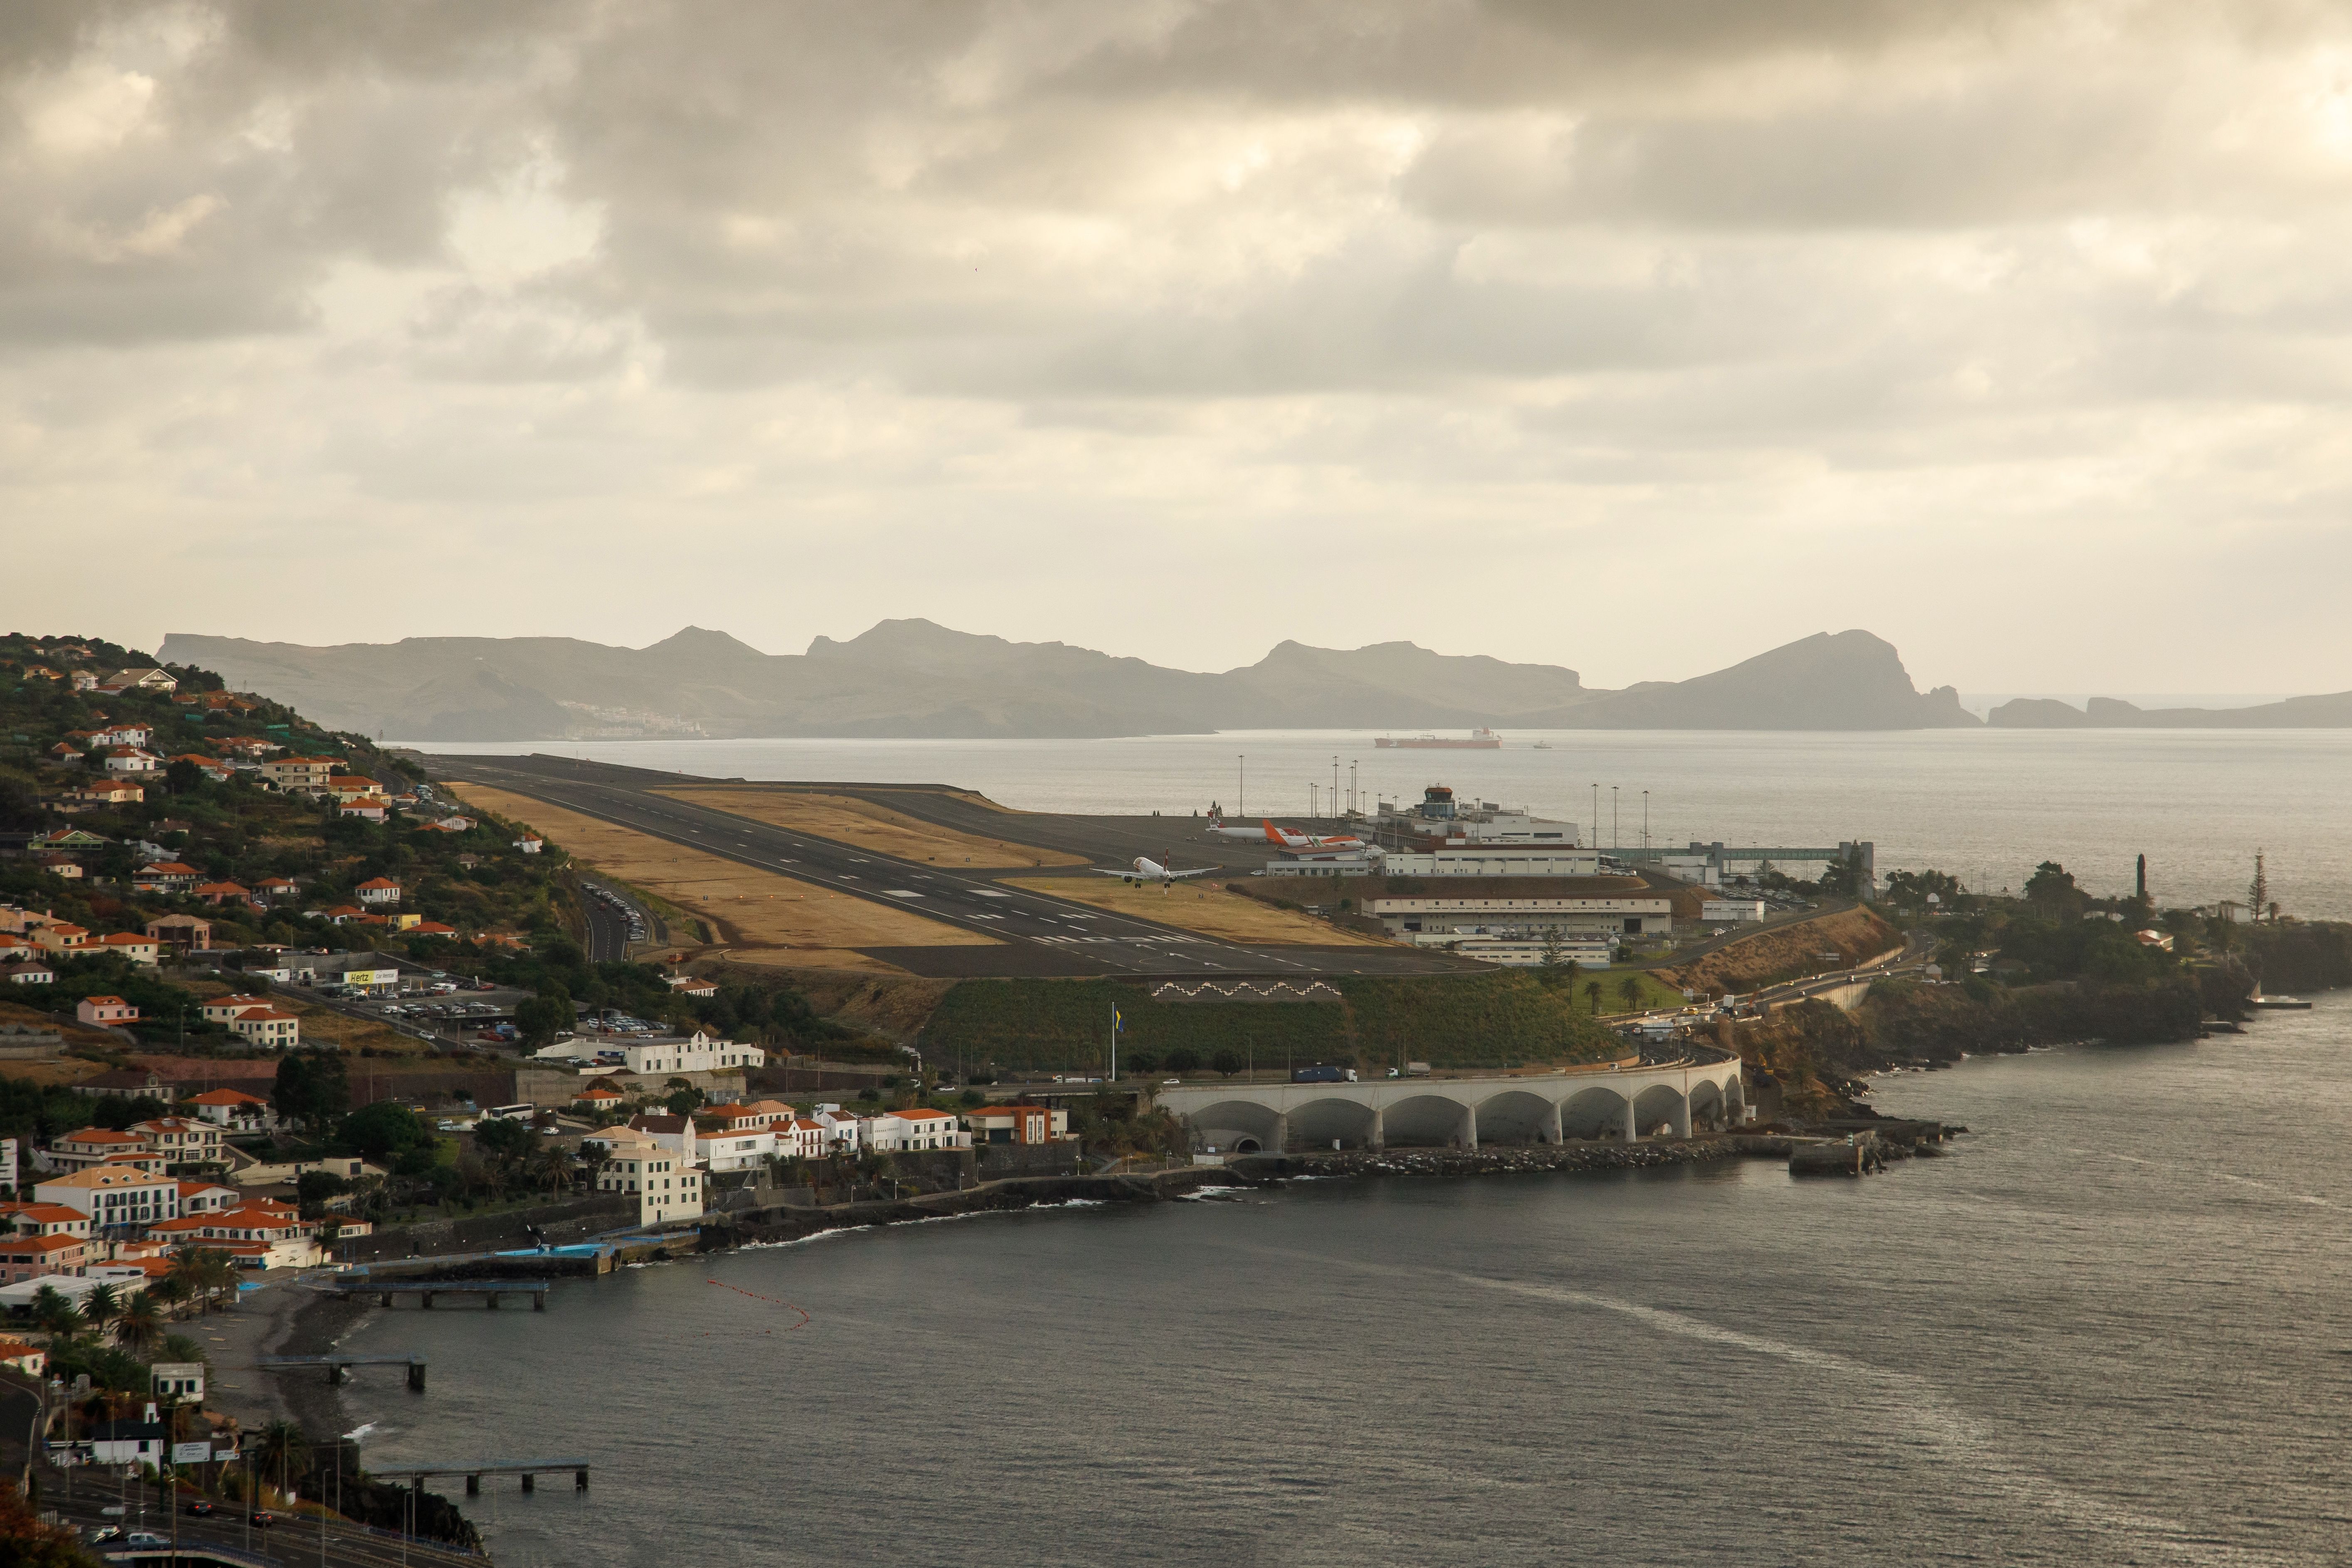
x=1323, y=1073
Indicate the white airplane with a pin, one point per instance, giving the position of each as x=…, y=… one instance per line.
x=1145, y=870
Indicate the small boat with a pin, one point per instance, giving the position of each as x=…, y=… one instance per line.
x=2281, y=1003
x=1541, y=746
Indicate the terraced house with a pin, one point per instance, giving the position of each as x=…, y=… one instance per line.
x=118, y=1198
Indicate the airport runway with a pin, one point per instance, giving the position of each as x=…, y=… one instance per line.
x=1036, y=934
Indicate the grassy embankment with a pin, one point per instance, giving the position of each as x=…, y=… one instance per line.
x=1506, y=1019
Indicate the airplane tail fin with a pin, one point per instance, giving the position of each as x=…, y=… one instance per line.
x=1271, y=836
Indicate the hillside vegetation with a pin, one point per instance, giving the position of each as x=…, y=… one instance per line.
x=1503, y=1019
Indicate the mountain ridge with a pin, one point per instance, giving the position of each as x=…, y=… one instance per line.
x=914, y=679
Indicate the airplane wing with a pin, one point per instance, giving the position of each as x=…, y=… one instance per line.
x=1200, y=872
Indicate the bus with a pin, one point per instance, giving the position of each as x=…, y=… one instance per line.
x=523, y=1111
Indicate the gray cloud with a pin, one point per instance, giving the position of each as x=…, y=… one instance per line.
x=880, y=300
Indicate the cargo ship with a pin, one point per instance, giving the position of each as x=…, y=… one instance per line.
x=1479, y=740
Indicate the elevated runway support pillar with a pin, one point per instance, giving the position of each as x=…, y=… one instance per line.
x=1468, y=1135
x=1682, y=1117
x=1378, y=1138
x=1281, y=1132
x=1552, y=1134
x=417, y=1376
x=1633, y=1128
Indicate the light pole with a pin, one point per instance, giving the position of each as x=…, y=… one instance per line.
x=1241, y=784
x=1645, y=824
x=1616, y=839
x=1596, y=817
x=1335, y=786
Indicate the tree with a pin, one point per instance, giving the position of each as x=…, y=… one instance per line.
x=53, y=1312
x=27, y=1543
x=1630, y=988
x=1226, y=1062
x=1844, y=877
x=282, y=1448
x=312, y=1088
x=1181, y=1060
x=504, y=1138
x=313, y=1188
x=183, y=777
x=539, y=1019
x=99, y=1307
x=2052, y=889
x=140, y=1323
x=1593, y=994
x=384, y=1131
x=1554, y=955
x=2258, y=891
x=683, y=1101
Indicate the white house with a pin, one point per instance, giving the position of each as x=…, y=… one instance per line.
x=931, y=1129
x=843, y=1134
x=740, y=1151
x=231, y=1108
x=698, y=1054
x=665, y=1185
x=114, y=1196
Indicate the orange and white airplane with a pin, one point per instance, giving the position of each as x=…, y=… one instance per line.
x=1283, y=837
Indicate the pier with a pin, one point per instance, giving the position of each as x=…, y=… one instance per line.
x=475, y=1470
x=339, y=1366
x=489, y=1290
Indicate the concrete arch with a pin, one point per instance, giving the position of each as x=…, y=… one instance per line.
x=1709, y=1111
x=1594, y=1112
x=1735, y=1097
x=1661, y=1105
x=1317, y=1123
x=1518, y=1116
x=1236, y=1126
x=1427, y=1121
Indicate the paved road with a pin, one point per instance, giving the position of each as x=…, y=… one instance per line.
x=291, y=1542
x=1042, y=935
x=608, y=930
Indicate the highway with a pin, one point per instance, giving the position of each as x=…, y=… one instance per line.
x=1040, y=934
x=291, y=1542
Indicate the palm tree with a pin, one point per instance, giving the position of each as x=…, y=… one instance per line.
x=97, y=1307
x=140, y=1323
x=203, y=1272
x=282, y=1444
x=551, y=1168
x=1593, y=994
x=53, y=1312
x=1630, y=988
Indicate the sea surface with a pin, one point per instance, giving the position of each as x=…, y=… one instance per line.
x=2113, y=1327
x=1986, y=805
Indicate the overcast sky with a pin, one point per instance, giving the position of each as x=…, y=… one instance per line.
x=1636, y=338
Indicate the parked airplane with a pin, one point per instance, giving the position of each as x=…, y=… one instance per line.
x=1283, y=838
x=1145, y=870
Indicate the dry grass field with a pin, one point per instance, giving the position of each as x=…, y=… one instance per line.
x=846, y=819
x=1210, y=910
x=760, y=917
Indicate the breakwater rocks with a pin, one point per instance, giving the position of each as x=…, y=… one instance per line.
x=1577, y=1156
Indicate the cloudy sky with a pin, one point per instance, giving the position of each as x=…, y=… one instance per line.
x=1631, y=336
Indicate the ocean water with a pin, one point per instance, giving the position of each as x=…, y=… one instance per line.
x=1985, y=805
x=2113, y=1328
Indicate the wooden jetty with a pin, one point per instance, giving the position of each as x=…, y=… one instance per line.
x=475, y=1470
x=339, y=1365
x=489, y=1290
